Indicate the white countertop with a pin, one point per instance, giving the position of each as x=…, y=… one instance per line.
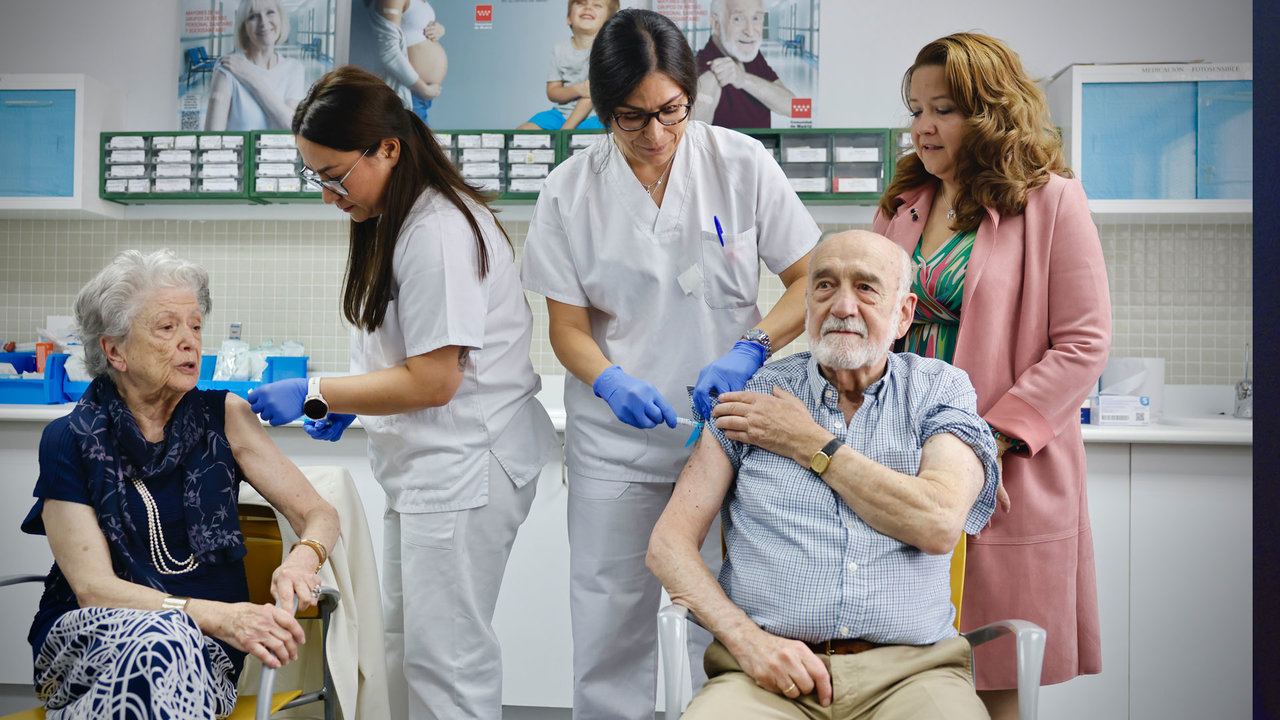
x=1194, y=415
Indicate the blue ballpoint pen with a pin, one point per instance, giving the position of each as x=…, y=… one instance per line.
x=719, y=230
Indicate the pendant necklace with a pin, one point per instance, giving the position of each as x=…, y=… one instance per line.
x=649, y=188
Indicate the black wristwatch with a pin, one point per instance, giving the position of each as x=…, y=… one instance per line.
x=760, y=337
x=314, y=406
x=822, y=459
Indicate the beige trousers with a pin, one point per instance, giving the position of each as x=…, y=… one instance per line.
x=889, y=683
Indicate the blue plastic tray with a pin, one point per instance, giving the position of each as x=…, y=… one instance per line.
x=279, y=367
x=43, y=391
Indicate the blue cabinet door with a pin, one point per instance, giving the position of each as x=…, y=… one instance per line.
x=1138, y=140
x=1224, y=157
x=37, y=143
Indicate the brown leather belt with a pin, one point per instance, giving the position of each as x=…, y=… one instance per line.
x=843, y=646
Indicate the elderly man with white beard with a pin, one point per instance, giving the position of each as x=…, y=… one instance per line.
x=736, y=86
x=843, y=479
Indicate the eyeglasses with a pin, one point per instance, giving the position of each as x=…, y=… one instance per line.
x=631, y=121
x=334, y=186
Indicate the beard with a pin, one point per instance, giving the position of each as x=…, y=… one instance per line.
x=847, y=352
x=741, y=54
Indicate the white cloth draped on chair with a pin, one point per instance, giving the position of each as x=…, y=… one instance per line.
x=357, y=660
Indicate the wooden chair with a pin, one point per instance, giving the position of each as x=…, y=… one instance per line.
x=673, y=635
x=264, y=553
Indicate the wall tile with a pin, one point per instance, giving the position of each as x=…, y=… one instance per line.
x=1180, y=290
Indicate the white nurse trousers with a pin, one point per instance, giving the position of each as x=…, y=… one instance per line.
x=440, y=577
x=614, y=598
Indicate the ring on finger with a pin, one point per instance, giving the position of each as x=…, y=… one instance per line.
x=788, y=690
x=315, y=591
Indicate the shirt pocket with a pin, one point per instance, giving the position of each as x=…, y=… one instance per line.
x=906, y=462
x=730, y=271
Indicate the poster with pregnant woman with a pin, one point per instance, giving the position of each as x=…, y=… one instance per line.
x=467, y=65
x=399, y=41
x=246, y=64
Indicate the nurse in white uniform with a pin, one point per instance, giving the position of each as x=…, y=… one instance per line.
x=647, y=247
x=443, y=385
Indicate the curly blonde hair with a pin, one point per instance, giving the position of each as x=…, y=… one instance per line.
x=1009, y=145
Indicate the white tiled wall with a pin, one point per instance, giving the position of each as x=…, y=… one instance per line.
x=1180, y=290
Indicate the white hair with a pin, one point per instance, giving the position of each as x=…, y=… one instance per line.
x=108, y=304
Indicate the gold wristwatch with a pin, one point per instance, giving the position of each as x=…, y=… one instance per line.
x=822, y=459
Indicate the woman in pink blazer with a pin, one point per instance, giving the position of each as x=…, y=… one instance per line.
x=1013, y=290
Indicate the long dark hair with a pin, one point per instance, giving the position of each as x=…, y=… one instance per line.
x=631, y=45
x=351, y=109
x=1009, y=145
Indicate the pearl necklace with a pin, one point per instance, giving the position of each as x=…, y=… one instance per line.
x=159, y=550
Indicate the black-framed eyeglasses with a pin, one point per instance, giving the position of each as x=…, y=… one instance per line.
x=634, y=121
x=334, y=186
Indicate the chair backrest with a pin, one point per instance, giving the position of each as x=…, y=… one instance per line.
x=957, y=576
x=204, y=54
x=193, y=57
x=264, y=551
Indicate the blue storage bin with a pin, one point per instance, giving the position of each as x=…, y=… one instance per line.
x=35, y=391
x=279, y=367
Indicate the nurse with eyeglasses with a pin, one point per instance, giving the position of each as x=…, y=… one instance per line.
x=441, y=380
x=647, y=247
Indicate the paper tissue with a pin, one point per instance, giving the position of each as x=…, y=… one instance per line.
x=1131, y=392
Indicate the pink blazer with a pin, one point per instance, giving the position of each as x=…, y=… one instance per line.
x=1035, y=330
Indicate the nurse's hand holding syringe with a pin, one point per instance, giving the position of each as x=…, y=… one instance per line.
x=634, y=401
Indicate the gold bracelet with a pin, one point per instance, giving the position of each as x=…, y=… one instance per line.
x=174, y=602
x=315, y=545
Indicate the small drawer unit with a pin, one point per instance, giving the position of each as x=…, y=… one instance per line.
x=275, y=165
x=174, y=167
x=841, y=166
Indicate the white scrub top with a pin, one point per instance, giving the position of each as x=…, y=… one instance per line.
x=437, y=459
x=664, y=296
x=287, y=79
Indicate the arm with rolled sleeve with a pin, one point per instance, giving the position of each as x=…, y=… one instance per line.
x=773, y=662
x=953, y=491
x=1046, y=396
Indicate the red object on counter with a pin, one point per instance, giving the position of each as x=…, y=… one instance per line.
x=43, y=350
x=9, y=346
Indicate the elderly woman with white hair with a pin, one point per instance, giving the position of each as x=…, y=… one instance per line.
x=145, y=609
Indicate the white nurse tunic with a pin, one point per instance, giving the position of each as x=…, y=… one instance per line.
x=664, y=296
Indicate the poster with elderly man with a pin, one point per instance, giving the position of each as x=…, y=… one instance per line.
x=757, y=59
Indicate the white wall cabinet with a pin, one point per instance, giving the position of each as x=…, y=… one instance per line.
x=1158, y=138
x=49, y=126
x=1191, y=607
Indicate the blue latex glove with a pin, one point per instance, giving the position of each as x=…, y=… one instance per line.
x=635, y=402
x=279, y=402
x=730, y=373
x=330, y=428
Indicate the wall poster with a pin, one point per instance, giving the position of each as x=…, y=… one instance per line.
x=246, y=64
x=466, y=65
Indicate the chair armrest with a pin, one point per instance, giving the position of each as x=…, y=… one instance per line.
x=673, y=643
x=1029, y=639
x=326, y=603
x=19, y=579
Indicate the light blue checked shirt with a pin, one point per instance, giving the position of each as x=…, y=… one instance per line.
x=803, y=565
